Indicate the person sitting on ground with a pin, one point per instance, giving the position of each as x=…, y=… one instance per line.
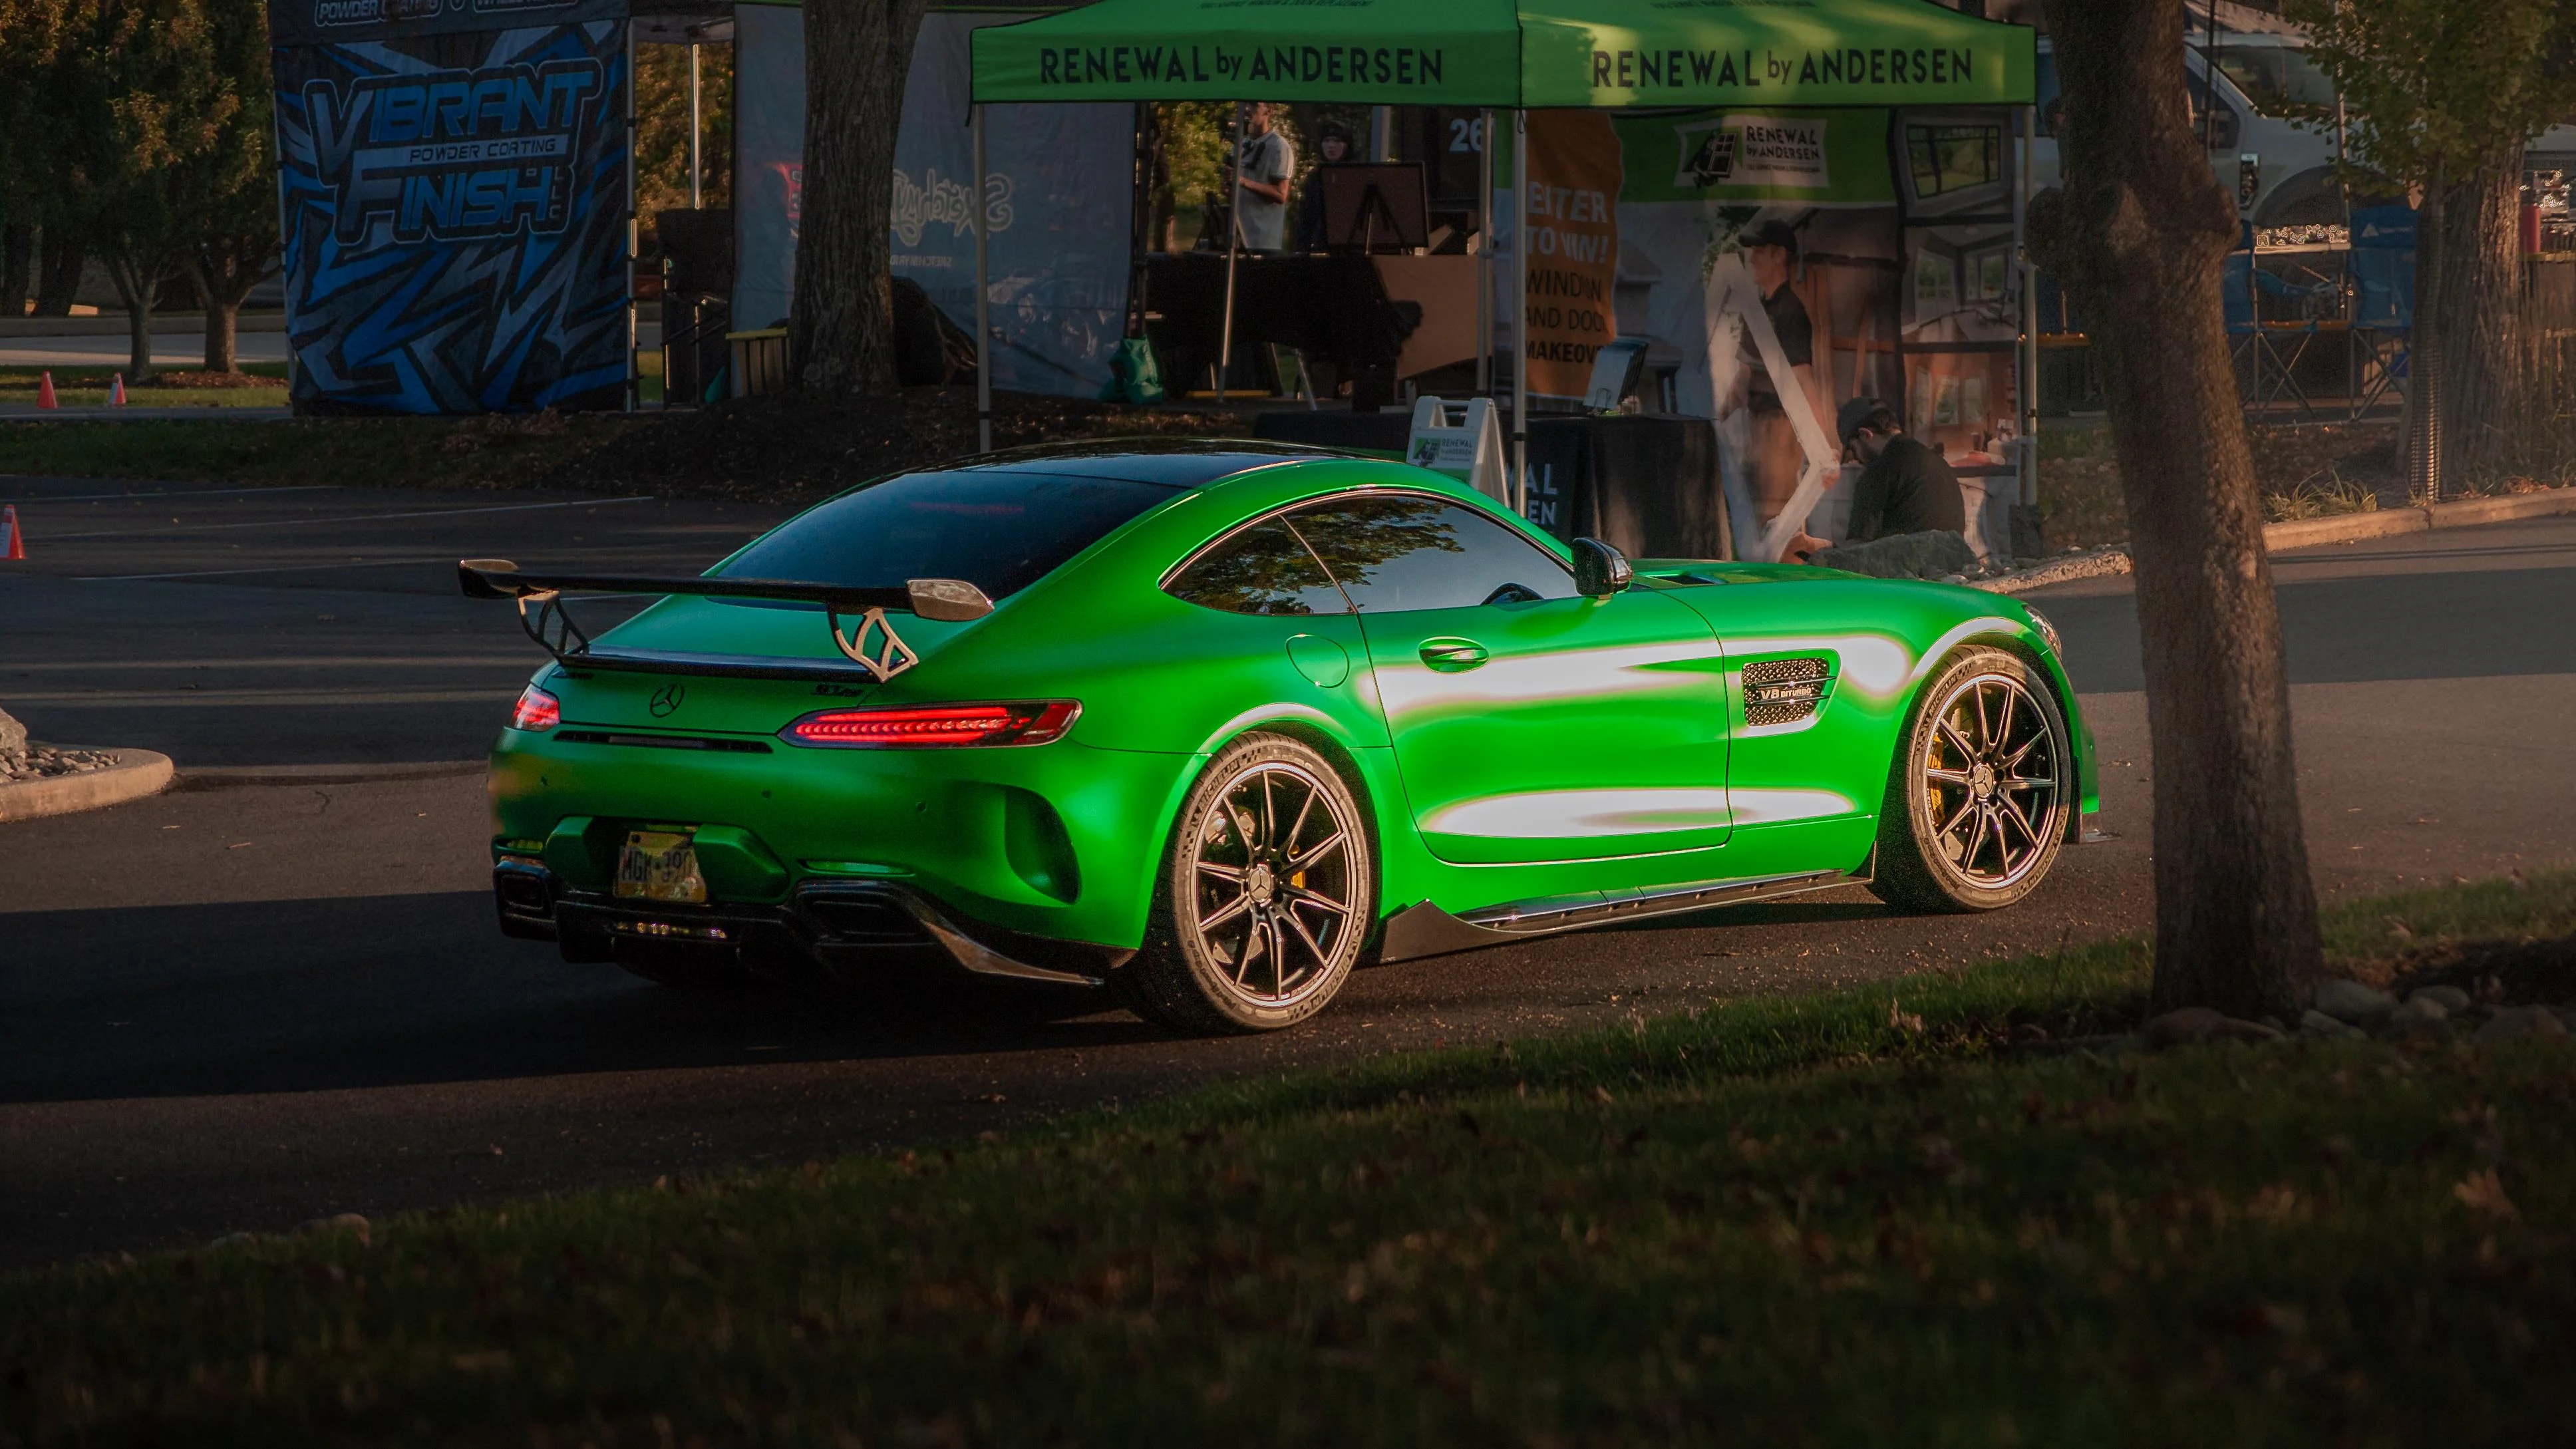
x=1905, y=487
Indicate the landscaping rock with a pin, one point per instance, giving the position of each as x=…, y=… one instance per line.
x=2452, y=998
x=2200, y=1024
x=1933, y=554
x=2420, y=1013
x=341, y=1223
x=2317, y=1023
x=2350, y=1001
x=13, y=735
x=2521, y=1021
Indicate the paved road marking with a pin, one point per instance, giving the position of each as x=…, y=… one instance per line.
x=342, y=518
x=286, y=661
x=165, y=698
x=350, y=563
x=167, y=493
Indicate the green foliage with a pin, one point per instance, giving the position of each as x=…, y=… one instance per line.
x=1847, y=1218
x=662, y=128
x=2434, y=87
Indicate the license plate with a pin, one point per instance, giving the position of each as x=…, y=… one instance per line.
x=659, y=865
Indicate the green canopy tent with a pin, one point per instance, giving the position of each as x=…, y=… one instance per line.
x=1516, y=55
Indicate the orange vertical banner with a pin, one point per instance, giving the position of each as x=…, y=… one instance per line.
x=1574, y=176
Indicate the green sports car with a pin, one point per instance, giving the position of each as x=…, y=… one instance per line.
x=1213, y=723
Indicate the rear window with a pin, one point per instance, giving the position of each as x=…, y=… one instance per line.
x=1000, y=530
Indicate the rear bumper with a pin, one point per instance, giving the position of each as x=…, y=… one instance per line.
x=848, y=932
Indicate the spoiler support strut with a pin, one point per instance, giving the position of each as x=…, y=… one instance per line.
x=874, y=646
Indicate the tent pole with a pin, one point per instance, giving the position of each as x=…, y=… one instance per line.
x=1485, y=253
x=2029, y=359
x=1520, y=312
x=983, y=299
x=694, y=117
x=1233, y=234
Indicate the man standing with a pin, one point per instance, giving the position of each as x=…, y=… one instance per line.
x=1905, y=487
x=1771, y=251
x=1261, y=192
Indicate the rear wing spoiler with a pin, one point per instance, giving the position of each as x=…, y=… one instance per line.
x=874, y=647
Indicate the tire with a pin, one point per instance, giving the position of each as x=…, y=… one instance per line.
x=1976, y=810
x=1267, y=894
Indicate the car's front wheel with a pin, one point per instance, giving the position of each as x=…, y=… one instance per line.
x=1977, y=802
x=1267, y=895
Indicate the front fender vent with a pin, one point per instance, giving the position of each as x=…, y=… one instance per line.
x=1784, y=691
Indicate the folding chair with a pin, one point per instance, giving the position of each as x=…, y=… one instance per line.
x=2381, y=265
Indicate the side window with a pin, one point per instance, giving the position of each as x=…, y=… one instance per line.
x=1262, y=570
x=1400, y=553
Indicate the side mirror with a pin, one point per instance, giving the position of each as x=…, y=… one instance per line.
x=1599, y=569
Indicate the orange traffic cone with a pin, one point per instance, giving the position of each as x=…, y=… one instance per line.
x=116, y=390
x=45, y=391
x=17, y=550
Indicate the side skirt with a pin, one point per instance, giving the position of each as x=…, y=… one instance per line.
x=1423, y=929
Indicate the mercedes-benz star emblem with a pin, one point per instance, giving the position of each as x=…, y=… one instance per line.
x=668, y=698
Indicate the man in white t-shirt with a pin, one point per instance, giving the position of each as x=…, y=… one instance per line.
x=1261, y=197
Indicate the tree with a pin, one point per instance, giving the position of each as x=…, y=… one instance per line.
x=130, y=107
x=2442, y=98
x=225, y=192
x=840, y=331
x=30, y=36
x=2140, y=232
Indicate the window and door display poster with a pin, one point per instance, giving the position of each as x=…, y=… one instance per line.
x=1896, y=282
x=1574, y=172
x=454, y=198
x=1055, y=194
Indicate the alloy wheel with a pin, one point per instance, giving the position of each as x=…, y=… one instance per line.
x=1272, y=883
x=1990, y=781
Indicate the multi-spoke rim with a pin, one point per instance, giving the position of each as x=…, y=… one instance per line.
x=1272, y=883
x=1990, y=780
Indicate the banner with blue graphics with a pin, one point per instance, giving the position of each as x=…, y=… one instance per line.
x=455, y=217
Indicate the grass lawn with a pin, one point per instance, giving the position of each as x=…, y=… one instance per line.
x=76, y=387
x=1851, y=1218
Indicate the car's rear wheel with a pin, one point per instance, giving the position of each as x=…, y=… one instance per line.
x=1977, y=801
x=1267, y=894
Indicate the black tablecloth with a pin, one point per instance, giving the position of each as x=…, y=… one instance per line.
x=1648, y=487
x=1333, y=309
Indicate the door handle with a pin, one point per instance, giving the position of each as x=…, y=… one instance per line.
x=1454, y=656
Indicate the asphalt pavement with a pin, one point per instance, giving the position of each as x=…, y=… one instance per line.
x=275, y=992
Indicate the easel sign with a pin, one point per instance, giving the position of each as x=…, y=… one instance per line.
x=1461, y=439
x=1375, y=207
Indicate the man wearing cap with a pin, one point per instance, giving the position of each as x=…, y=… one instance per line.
x=1771, y=248
x=1905, y=487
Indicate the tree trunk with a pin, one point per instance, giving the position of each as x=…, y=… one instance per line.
x=2141, y=232
x=17, y=267
x=58, y=272
x=840, y=331
x=2470, y=286
x=220, y=282
x=136, y=285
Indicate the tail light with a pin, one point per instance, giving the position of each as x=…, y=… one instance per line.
x=536, y=710
x=936, y=726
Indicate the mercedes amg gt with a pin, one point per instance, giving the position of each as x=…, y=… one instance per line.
x=1214, y=723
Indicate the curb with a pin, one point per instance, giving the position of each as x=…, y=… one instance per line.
x=2310, y=533
x=2384, y=522
x=135, y=774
